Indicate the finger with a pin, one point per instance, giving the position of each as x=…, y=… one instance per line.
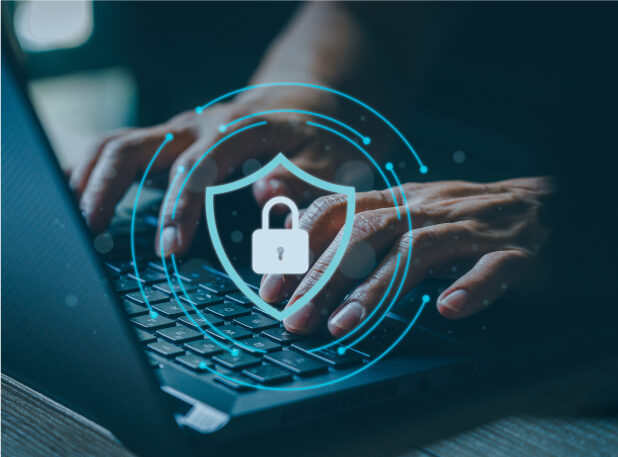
x=119, y=162
x=322, y=221
x=488, y=280
x=179, y=214
x=203, y=165
x=196, y=168
x=372, y=236
x=431, y=247
x=78, y=177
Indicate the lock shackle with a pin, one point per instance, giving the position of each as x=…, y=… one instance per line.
x=280, y=200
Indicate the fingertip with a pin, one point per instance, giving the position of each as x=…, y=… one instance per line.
x=346, y=319
x=454, y=304
x=271, y=287
x=169, y=241
x=448, y=312
x=303, y=321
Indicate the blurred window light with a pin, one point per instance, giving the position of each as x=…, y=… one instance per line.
x=49, y=25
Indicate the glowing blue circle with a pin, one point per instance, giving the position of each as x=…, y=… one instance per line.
x=365, y=140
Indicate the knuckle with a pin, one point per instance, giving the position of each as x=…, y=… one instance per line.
x=125, y=146
x=311, y=277
x=513, y=256
x=323, y=207
x=368, y=223
x=405, y=241
x=423, y=240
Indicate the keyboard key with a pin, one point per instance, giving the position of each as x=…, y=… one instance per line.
x=260, y=344
x=204, y=348
x=229, y=380
x=236, y=362
x=195, y=271
x=239, y=297
x=171, y=309
x=145, y=337
x=153, y=296
x=176, y=287
x=120, y=267
x=282, y=336
x=369, y=348
x=179, y=334
x=148, y=276
x=148, y=323
x=296, y=363
x=125, y=285
x=268, y=374
x=165, y=349
x=158, y=265
x=133, y=309
x=113, y=273
x=195, y=362
x=219, y=286
x=256, y=322
x=201, y=298
x=196, y=322
x=229, y=310
x=331, y=354
x=231, y=331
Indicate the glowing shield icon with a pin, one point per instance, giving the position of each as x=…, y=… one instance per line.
x=279, y=160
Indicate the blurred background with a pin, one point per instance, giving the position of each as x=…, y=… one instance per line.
x=94, y=66
x=513, y=89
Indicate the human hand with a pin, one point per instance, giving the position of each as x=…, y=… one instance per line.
x=104, y=176
x=496, y=230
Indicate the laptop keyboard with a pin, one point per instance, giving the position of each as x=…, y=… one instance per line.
x=269, y=355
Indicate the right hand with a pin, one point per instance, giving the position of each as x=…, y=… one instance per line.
x=104, y=176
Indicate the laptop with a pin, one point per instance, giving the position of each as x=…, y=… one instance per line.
x=75, y=328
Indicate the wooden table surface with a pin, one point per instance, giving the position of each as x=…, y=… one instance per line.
x=561, y=411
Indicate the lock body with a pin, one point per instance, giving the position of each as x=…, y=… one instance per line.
x=266, y=257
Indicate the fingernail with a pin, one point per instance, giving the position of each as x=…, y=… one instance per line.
x=270, y=290
x=455, y=300
x=300, y=319
x=170, y=239
x=348, y=317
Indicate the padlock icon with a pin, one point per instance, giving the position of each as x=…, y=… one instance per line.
x=280, y=251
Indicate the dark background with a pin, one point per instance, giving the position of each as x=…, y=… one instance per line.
x=523, y=88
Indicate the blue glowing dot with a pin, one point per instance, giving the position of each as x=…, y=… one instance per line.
x=423, y=169
x=235, y=352
x=203, y=365
x=199, y=110
x=153, y=314
x=169, y=137
x=389, y=166
x=425, y=298
x=367, y=140
x=180, y=169
x=222, y=128
x=341, y=350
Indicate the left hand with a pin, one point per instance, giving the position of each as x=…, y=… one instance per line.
x=495, y=228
